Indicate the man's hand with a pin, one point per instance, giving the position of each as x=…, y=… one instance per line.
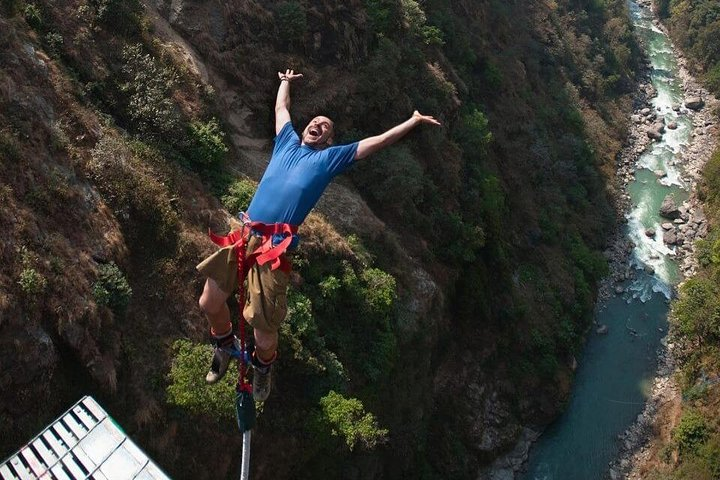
x=420, y=118
x=289, y=75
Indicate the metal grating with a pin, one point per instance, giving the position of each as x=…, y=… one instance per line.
x=84, y=443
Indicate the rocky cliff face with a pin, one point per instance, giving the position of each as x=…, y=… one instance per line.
x=490, y=226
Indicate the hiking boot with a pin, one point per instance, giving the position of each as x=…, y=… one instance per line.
x=225, y=348
x=262, y=380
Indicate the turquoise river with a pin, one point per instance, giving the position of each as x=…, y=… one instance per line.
x=616, y=370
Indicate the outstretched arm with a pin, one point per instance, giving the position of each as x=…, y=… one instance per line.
x=371, y=145
x=282, y=103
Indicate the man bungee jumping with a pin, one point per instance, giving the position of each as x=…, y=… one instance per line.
x=299, y=171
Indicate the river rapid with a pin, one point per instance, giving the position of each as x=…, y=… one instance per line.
x=624, y=363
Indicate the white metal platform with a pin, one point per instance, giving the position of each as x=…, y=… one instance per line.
x=84, y=443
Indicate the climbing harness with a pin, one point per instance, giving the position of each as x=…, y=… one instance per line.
x=276, y=239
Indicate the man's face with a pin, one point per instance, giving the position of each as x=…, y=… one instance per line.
x=319, y=133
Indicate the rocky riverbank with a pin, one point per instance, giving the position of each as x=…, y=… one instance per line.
x=686, y=224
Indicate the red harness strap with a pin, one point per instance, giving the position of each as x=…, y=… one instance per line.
x=263, y=254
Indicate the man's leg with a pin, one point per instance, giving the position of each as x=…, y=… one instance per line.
x=213, y=302
x=266, y=346
x=265, y=309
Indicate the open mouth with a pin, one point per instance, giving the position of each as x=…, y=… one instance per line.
x=314, y=131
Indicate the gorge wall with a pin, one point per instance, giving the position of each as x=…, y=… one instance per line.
x=443, y=286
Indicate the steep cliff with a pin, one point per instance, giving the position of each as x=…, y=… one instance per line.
x=444, y=285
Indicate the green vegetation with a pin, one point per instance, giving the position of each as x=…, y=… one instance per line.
x=32, y=282
x=111, y=288
x=695, y=27
x=32, y=15
x=187, y=388
x=133, y=179
x=149, y=89
x=239, y=195
x=691, y=433
x=347, y=419
x=207, y=145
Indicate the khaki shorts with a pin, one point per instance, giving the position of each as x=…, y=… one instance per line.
x=265, y=290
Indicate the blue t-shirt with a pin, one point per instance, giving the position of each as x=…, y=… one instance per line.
x=295, y=178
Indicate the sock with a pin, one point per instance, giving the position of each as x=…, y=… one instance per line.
x=227, y=331
x=262, y=365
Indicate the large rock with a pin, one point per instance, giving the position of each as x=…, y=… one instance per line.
x=668, y=209
x=670, y=237
x=694, y=103
x=655, y=131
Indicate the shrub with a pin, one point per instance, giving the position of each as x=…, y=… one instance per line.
x=32, y=282
x=207, y=147
x=691, y=432
x=710, y=452
x=149, y=87
x=54, y=42
x=187, y=388
x=329, y=286
x=239, y=195
x=379, y=290
x=712, y=78
x=112, y=288
x=369, y=340
x=696, y=313
x=413, y=16
x=473, y=133
x=32, y=16
x=300, y=331
x=432, y=35
x=137, y=191
x=346, y=418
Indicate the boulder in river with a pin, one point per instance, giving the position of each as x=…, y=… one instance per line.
x=660, y=174
x=655, y=131
x=667, y=226
x=670, y=237
x=650, y=232
x=672, y=125
x=668, y=209
x=694, y=103
x=602, y=329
